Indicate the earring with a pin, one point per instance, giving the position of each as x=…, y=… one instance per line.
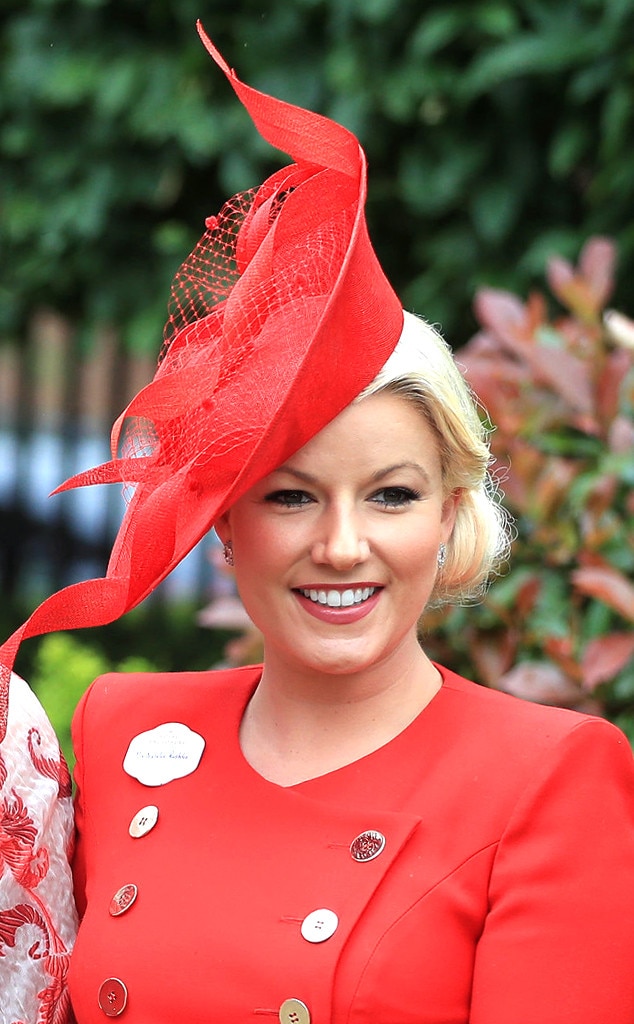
x=228, y=553
x=442, y=555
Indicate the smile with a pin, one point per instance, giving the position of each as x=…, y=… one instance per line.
x=339, y=598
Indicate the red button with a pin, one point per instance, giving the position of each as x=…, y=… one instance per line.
x=113, y=996
x=367, y=846
x=123, y=899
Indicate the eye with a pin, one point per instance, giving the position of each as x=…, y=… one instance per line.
x=395, y=497
x=288, y=498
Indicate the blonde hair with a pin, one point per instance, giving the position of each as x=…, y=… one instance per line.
x=422, y=370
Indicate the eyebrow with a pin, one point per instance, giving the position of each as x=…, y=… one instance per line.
x=379, y=475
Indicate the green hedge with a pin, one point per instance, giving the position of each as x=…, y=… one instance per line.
x=497, y=132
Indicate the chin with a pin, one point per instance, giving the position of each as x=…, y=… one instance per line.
x=340, y=662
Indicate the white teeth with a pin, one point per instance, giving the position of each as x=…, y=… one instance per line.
x=338, y=598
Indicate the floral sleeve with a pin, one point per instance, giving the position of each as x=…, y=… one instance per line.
x=37, y=916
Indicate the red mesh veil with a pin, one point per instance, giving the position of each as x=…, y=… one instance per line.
x=279, y=317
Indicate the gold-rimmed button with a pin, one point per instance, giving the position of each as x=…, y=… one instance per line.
x=123, y=899
x=294, y=1011
x=113, y=997
x=367, y=845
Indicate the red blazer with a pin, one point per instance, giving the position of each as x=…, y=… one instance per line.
x=504, y=893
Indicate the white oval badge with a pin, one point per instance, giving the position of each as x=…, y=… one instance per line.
x=170, y=751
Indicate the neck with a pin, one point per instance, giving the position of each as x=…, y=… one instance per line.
x=301, y=724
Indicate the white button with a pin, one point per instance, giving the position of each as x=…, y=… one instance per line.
x=144, y=821
x=294, y=1011
x=320, y=925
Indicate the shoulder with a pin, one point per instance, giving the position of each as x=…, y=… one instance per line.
x=145, y=698
x=518, y=732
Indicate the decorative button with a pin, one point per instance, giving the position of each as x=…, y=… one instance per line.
x=294, y=1011
x=123, y=899
x=319, y=925
x=113, y=996
x=143, y=821
x=367, y=845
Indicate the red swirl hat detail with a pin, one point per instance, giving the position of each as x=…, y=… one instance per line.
x=278, y=319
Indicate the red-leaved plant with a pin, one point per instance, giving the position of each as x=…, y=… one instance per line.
x=560, y=391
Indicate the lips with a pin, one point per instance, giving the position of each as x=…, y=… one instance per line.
x=338, y=598
x=339, y=606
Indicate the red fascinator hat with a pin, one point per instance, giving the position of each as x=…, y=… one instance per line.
x=278, y=319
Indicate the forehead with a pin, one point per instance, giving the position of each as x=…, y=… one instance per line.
x=380, y=428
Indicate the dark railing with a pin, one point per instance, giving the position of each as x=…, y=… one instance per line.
x=57, y=406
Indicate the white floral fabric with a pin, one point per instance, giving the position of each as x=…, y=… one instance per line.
x=38, y=922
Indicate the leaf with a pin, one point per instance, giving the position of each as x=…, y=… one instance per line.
x=542, y=683
x=604, y=657
x=567, y=375
x=499, y=310
x=528, y=54
x=607, y=585
x=559, y=274
x=621, y=442
x=571, y=289
x=551, y=488
x=492, y=656
x=596, y=263
x=568, y=147
x=503, y=314
x=585, y=290
x=613, y=373
x=494, y=209
x=434, y=31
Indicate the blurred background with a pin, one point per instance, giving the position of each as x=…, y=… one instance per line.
x=500, y=139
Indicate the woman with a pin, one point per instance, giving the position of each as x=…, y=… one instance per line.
x=348, y=832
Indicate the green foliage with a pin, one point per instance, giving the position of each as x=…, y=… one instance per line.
x=560, y=390
x=497, y=132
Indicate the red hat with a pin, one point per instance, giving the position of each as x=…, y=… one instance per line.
x=278, y=319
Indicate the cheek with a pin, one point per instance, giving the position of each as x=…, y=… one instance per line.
x=416, y=541
x=264, y=545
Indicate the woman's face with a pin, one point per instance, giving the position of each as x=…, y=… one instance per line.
x=336, y=551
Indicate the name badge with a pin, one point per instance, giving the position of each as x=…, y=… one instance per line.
x=170, y=751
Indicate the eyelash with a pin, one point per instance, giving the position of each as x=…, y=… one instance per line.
x=289, y=498
x=388, y=497
x=395, y=497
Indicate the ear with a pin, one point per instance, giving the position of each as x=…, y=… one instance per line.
x=222, y=528
x=449, y=512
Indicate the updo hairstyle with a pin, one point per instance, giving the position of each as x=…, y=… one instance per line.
x=422, y=370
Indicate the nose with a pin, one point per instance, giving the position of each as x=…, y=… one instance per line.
x=341, y=543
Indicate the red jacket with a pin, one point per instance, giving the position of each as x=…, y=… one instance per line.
x=504, y=893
